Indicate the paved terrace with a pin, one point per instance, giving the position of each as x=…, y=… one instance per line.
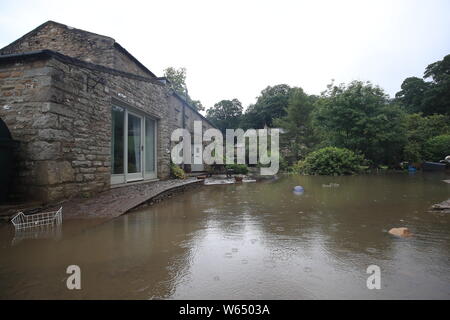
x=114, y=202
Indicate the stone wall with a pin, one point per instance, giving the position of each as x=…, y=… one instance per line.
x=178, y=109
x=76, y=43
x=61, y=114
x=60, y=110
x=175, y=113
x=124, y=63
x=72, y=42
x=191, y=116
x=24, y=92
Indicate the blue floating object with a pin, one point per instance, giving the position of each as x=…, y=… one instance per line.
x=411, y=169
x=298, y=189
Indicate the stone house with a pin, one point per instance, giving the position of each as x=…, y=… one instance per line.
x=88, y=115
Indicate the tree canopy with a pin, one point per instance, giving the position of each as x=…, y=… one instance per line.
x=419, y=130
x=299, y=135
x=225, y=114
x=358, y=117
x=270, y=104
x=177, y=79
x=428, y=97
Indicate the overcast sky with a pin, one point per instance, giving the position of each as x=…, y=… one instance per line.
x=234, y=49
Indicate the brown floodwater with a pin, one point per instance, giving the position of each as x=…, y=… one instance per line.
x=249, y=241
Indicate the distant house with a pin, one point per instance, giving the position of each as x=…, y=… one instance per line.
x=88, y=114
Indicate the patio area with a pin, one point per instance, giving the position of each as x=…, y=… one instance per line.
x=109, y=204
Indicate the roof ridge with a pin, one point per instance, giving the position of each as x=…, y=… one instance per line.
x=75, y=61
x=116, y=44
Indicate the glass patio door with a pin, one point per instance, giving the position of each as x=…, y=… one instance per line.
x=135, y=147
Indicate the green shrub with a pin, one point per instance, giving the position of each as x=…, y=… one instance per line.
x=238, y=168
x=420, y=129
x=177, y=172
x=330, y=161
x=284, y=164
x=297, y=167
x=437, y=148
x=413, y=152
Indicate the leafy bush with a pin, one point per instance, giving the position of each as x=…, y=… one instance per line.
x=420, y=129
x=177, y=172
x=330, y=161
x=297, y=167
x=437, y=148
x=238, y=168
x=284, y=164
x=360, y=117
x=413, y=152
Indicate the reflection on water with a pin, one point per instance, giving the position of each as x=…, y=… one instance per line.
x=41, y=232
x=251, y=241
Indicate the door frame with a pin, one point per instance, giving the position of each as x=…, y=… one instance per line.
x=135, y=176
x=126, y=177
x=150, y=175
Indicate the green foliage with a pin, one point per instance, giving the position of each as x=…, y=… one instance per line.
x=177, y=172
x=428, y=97
x=359, y=117
x=299, y=135
x=238, y=168
x=419, y=130
x=225, y=114
x=271, y=104
x=330, y=161
x=284, y=164
x=413, y=152
x=438, y=148
x=437, y=98
x=177, y=79
x=412, y=94
x=196, y=104
x=297, y=167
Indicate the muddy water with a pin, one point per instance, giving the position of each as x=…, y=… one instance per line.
x=250, y=241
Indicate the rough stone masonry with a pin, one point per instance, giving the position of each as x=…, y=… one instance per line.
x=57, y=86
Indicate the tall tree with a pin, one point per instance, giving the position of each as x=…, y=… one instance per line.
x=225, y=114
x=412, y=94
x=359, y=117
x=270, y=104
x=428, y=97
x=299, y=136
x=437, y=98
x=177, y=79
